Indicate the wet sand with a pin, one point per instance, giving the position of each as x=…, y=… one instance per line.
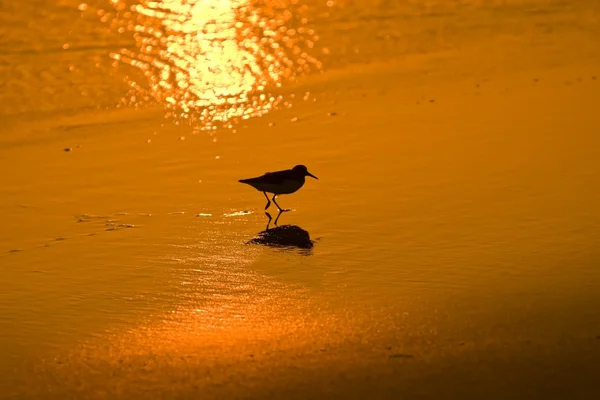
x=455, y=218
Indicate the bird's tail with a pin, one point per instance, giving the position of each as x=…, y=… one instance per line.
x=244, y=181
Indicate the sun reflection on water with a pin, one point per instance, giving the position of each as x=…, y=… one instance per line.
x=213, y=61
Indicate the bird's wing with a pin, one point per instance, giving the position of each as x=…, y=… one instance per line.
x=273, y=178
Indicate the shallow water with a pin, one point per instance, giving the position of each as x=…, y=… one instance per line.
x=454, y=221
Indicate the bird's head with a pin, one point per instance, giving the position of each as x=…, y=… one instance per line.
x=302, y=170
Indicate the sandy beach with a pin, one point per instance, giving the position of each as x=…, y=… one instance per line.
x=453, y=228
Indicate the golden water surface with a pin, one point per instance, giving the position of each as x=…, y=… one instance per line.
x=453, y=230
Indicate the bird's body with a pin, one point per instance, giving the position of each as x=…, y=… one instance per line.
x=280, y=182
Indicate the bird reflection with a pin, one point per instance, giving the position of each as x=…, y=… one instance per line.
x=281, y=211
x=284, y=236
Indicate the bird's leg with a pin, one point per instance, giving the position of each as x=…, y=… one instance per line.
x=269, y=201
x=280, y=209
x=269, y=221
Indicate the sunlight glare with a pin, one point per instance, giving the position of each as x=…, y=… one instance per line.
x=213, y=61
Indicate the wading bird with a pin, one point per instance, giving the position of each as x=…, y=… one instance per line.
x=280, y=182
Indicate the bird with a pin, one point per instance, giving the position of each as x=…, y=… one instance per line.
x=280, y=182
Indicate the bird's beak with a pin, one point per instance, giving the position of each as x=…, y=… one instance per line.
x=311, y=175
